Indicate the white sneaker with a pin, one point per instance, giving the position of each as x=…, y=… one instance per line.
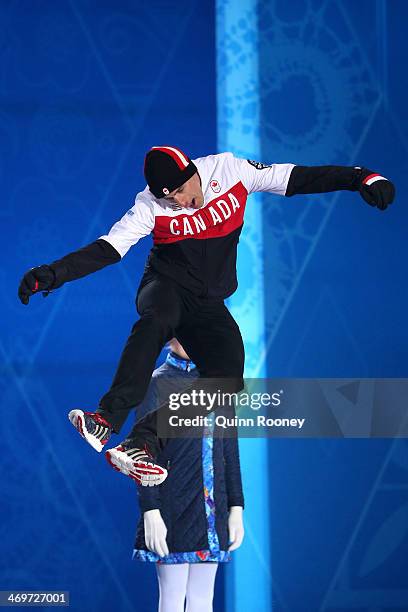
x=137, y=464
x=92, y=427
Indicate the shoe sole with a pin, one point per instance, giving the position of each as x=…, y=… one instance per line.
x=145, y=474
x=77, y=419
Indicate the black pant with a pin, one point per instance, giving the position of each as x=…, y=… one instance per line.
x=205, y=328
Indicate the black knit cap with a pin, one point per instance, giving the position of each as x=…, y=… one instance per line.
x=167, y=168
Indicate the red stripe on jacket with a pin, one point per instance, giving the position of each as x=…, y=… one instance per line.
x=218, y=218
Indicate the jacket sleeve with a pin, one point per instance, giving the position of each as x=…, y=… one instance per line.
x=322, y=179
x=134, y=225
x=90, y=258
x=108, y=249
x=289, y=179
x=149, y=498
x=233, y=479
x=164, y=381
x=256, y=176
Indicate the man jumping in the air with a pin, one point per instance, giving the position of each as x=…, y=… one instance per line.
x=195, y=210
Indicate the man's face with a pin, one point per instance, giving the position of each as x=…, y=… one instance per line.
x=189, y=195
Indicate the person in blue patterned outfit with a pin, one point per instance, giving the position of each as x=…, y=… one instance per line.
x=192, y=521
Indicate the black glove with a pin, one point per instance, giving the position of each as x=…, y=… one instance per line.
x=41, y=278
x=375, y=189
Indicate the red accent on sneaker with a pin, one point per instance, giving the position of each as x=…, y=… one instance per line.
x=109, y=460
x=136, y=478
x=150, y=469
x=35, y=286
x=78, y=425
x=146, y=468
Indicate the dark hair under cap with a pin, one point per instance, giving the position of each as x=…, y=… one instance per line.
x=167, y=168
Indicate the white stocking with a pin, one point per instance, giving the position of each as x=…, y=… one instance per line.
x=172, y=586
x=200, y=587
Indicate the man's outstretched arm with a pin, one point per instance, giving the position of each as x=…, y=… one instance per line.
x=134, y=225
x=90, y=258
x=374, y=188
x=289, y=180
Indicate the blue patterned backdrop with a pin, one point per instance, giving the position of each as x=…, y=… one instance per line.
x=336, y=297
x=86, y=88
x=321, y=82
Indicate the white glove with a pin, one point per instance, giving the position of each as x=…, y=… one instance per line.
x=235, y=527
x=155, y=533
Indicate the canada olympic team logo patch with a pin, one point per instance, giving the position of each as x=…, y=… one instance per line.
x=215, y=186
x=258, y=165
